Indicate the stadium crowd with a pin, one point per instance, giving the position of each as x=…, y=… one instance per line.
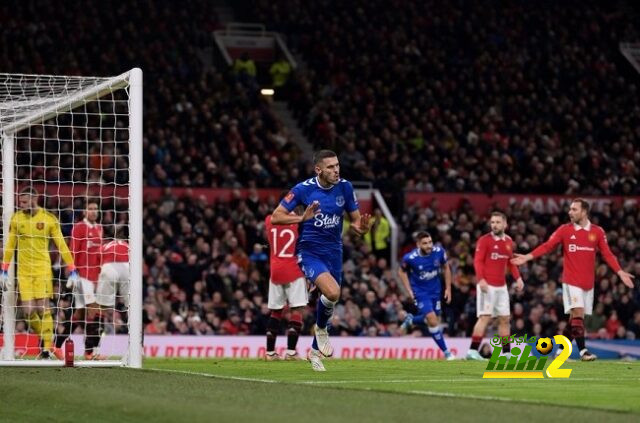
x=205, y=125
x=207, y=272
x=502, y=96
x=430, y=96
x=524, y=100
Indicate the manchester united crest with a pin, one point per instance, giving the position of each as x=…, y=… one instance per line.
x=592, y=237
x=40, y=226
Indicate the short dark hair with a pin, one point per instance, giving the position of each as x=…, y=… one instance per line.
x=500, y=214
x=323, y=154
x=29, y=191
x=91, y=200
x=583, y=203
x=421, y=234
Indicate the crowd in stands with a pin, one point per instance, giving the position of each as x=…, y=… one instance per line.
x=207, y=272
x=434, y=96
x=205, y=125
x=456, y=96
x=468, y=96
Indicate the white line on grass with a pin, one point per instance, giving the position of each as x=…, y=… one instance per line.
x=340, y=382
x=187, y=372
x=471, y=396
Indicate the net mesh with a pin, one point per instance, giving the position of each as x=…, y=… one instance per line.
x=71, y=143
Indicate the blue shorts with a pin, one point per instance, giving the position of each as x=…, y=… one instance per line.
x=312, y=265
x=428, y=303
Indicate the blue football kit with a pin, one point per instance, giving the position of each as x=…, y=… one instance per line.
x=319, y=247
x=425, y=277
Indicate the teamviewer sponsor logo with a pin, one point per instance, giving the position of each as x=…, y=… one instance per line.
x=325, y=221
x=498, y=256
x=573, y=248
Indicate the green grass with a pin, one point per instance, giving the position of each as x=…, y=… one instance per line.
x=350, y=391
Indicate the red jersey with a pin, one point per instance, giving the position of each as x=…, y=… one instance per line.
x=492, y=258
x=282, y=246
x=115, y=252
x=86, y=240
x=579, y=246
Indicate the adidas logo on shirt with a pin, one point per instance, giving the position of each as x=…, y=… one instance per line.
x=573, y=237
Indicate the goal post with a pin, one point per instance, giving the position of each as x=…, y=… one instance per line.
x=75, y=140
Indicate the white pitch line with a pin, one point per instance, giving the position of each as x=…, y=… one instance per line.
x=186, y=372
x=340, y=382
x=329, y=382
x=478, y=397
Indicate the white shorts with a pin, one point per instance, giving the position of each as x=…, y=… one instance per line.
x=573, y=297
x=494, y=302
x=295, y=293
x=84, y=293
x=114, y=278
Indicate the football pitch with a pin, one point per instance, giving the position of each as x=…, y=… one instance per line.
x=171, y=390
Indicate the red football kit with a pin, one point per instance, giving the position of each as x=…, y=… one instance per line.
x=282, y=245
x=86, y=240
x=579, y=246
x=115, y=252
x=492, y=258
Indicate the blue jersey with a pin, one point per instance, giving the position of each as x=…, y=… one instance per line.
x=323, y=233
x=425, y=271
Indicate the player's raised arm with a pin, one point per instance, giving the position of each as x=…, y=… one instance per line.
x=540, y=250
x=612, y=261
x=360, y=224
x=282, y=216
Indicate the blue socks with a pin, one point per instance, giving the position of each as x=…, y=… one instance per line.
x=437, y=336
x=324, y=311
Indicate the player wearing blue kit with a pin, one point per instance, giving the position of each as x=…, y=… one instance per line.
x=420, y=274
x=319, y=248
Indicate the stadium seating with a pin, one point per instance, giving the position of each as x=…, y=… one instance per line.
x=457, y=96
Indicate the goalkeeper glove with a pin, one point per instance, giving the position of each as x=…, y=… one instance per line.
x=73, y=279
x=4, y=276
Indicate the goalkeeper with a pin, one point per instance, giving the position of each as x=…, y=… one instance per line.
x=31, y=230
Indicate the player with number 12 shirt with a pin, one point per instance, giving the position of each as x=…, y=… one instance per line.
x=286, y=285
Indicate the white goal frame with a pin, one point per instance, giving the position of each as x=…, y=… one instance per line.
x=133, y=80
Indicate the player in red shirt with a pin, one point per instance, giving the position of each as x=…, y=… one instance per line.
x=114, y=278
x=286, y=285
x=580, y=240
x=493, y=252
x=86, y=240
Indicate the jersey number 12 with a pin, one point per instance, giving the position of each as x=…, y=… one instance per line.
x=283, y=233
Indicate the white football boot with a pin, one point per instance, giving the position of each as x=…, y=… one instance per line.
x=322, y=338
x=314, y=358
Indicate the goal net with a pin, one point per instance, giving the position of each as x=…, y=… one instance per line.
x=71, y=208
